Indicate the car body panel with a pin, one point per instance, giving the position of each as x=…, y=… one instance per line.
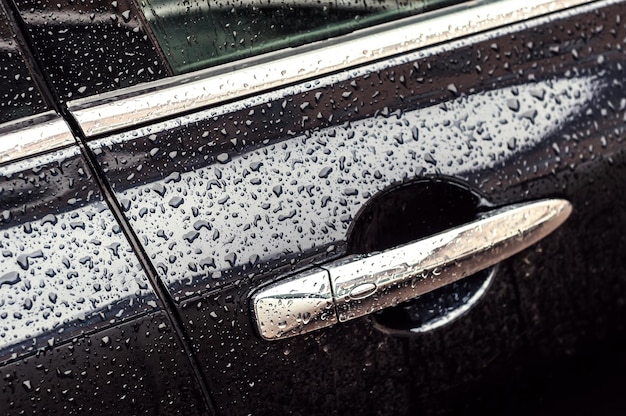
x=80, y=325
x=167, y=98
x=133, y=367
x=20, y=95
x=220, y=196
x=87, y=49
x=230, y=198
x=63, y=244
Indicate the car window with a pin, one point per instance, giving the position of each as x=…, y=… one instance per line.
x=19, y=95
x=89, y=48
x=200, y=34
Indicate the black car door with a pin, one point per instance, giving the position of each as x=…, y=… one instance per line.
x=318, y=135
x=81, y=328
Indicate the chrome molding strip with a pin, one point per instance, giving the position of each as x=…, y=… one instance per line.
x=166, y=98
x=33, y=135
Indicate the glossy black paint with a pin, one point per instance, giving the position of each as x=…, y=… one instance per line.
x=234, y=185
x=88, y=48
x=20, y=96
x=231, y=198
x=81, y=329
x=67, y=255
x=236, y=196
x=135, y=367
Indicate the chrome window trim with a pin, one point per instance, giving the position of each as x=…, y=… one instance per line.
x=181, y=94
x=33, y=135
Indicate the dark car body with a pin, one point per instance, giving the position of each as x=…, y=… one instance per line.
x=136, y=230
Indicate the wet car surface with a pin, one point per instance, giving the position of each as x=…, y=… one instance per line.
x=131, y=250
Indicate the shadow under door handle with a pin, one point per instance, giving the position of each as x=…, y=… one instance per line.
x=359, y=285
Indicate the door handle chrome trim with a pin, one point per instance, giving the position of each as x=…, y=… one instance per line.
x=295, y=305
x=358, y=285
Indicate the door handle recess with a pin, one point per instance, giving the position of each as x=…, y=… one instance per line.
x=358, y=285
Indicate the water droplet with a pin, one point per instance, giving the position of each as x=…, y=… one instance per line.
x=231, y=258
x=9, y=279
x=513, y=104
x=325, y=172
x=430, y=159
x=201, y=224
x=49, y=219
x=191, y=236
x=158, y=188
x=27, y=385
x=175, y=202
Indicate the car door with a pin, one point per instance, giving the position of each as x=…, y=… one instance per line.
x=81, y=328
x=249, y=145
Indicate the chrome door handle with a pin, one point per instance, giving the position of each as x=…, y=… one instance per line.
x=361, y=284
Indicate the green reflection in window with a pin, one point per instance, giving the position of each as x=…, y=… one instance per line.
x=199, y=34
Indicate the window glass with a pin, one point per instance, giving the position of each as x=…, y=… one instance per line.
x=197, y=34
x=19, y=96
